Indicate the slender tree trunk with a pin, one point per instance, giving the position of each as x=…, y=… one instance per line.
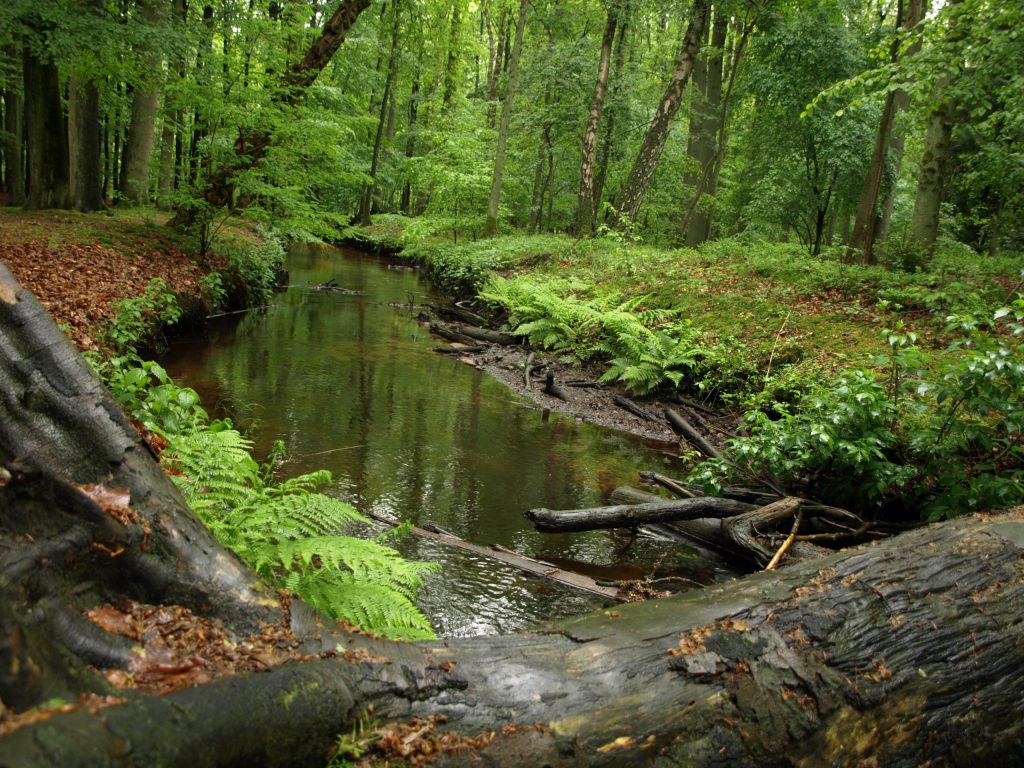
x=452, y=64
x=138, y=146
x=897, y=142
x=705, y=123
x=649, y=156
x=924, y=224
x=14, y=170
x=410, y=142
x=495, y=65
x=608, y=141
x=367, y=202
x=491, y=227
x=864, y=228
x=49, y=183
x=585, y=214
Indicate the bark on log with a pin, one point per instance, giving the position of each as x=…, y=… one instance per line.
x=483, y=334
x=629, y=405
x=682, y=427
x=633, y=515
x=553, y=388
x=906, y=652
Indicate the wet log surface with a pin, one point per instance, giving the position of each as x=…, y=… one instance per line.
x=905, y=652
x=634, y=515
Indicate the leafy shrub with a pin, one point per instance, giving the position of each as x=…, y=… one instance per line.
x=947, y=442
x=212, y=290
x=259, y=266
x=134, y=317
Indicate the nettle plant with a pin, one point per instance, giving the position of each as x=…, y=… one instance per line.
x=943, y=435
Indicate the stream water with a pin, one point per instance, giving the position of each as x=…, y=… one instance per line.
x=349, y=381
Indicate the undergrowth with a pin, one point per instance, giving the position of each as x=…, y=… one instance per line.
x=943, y=435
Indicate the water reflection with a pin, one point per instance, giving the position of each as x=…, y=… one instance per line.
x=349, y=381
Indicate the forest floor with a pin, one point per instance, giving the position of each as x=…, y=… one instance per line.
x=80, y=265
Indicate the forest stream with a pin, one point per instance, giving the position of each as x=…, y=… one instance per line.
x=348, y=379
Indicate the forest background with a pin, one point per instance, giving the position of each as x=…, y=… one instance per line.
x=857, y=165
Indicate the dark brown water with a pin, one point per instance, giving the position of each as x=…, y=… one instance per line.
x=350, y=382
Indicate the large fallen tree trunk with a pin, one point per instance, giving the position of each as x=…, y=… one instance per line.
x=906, y=652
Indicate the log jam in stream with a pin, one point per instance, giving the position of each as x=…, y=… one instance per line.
x=349, y=379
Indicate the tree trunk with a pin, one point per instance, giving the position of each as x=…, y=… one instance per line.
x=14, y=171
x=705, y=123
x=899, y=653
x=865, y=224
x=49, y=183
x=608, y=141
x=86, y=158
x=138, y=146
x=649, y=156
x=924, y=224
x=585, y=214
x=410, y=142
x=491, y=227
x=366, y=204
x=452, y=64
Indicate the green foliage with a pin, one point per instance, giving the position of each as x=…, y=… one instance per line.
x=944, y=436
x=645, y=348
x=294, y=537
x=212, y=291
x=135, y=317
x=259, y=265
x=286, y=531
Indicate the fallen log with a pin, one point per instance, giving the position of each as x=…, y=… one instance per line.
x=452, y=335
x=682, y=427
x=669, y=484
x=516, y=560
x=484, y=334
x=458, y=348
x=905, y=652
x=634, y=515
x=553, y=388
x=631, y=407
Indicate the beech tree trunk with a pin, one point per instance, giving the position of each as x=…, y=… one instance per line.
x=866, y=222
x=366, y=204
x=86, y=160
x=49, y=183
x=585, y=214
x=647, y=159
x=138, y=145
x=906, y=652
x=924, y=224
x=14, y=170
x=705, y=123
x=491, y=227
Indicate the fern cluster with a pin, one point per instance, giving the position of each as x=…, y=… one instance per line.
x=291, y=535
x=645, y=349
x=294, y=537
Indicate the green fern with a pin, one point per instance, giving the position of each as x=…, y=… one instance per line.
x=292, y=536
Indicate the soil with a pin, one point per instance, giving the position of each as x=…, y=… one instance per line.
x=593, y=402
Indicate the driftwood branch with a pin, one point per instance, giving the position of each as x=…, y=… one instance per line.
x=634, y=515
x=682, y=427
